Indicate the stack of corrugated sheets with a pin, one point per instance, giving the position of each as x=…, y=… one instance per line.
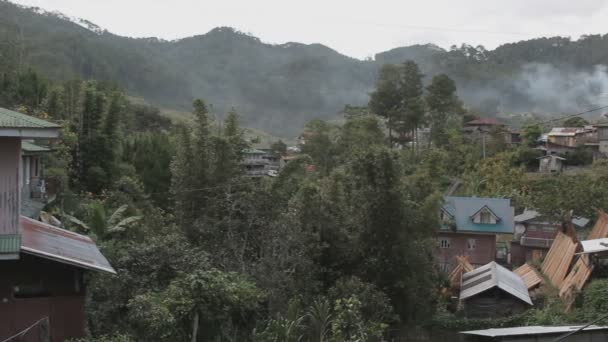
x=576, y=279
x=463, y=267
x=581, y=271
x=529, y=275
x=559, y=259
x=600, y=229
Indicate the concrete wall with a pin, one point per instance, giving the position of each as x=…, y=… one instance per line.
x=10, y=157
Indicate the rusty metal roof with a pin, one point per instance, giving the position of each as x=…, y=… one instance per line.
x=46, y=241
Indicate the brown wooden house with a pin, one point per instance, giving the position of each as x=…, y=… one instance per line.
x=534, y=235
x=493, y=291
x=42, y=266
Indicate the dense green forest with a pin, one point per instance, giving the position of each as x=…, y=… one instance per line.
x=278, y=88
x=338, y=252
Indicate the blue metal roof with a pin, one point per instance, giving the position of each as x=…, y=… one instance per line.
x=463, y=208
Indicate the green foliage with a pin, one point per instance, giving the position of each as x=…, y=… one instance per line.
x=530, y=134
x=443, y=104
x=576, y=121
x=216, y=301
x=497, y=177
x=594, y=306
x=321, y=145
x=579, y=157
x=398, y=99
x=106, y=338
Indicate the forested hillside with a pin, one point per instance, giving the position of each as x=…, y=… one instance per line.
x=280, y=87
x=338, y=246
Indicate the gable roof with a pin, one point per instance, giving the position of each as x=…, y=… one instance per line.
x=14, y=124
x=529, y=215
x=490, y=276
x=568, y=131
x=49, y=242
x=486, y=208
x=463, y=208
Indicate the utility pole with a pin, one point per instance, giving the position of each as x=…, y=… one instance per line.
x=483, y=144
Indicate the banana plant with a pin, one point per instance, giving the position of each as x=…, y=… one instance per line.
x=101, y=224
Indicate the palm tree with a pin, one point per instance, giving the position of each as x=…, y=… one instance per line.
x=101, y=224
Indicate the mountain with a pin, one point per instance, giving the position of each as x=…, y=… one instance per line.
x=280, y=87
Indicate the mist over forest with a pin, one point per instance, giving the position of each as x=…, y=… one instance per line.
x=278, y=88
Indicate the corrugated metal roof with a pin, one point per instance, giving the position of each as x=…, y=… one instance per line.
x=46, y=241
x=463, y=208
x=28, y=146
x=252, y=151
x=490, y=276
x=552, y=156
x=580, y=221
x=594, y=246
x=528, y=215
x=12, y=119
x=10, y=243
x=531, y=330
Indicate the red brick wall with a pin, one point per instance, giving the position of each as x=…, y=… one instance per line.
x=483, y=253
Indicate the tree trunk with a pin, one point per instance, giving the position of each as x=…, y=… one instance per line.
x=390, y=131
x=195, y=327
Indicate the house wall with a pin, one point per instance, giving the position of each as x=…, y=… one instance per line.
x=32, y=288
x=483, y=253
x=493, y=303
x=563, y=140
x=10, y=155
x=603, y=146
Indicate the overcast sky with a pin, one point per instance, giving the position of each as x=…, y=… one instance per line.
x=353, y=27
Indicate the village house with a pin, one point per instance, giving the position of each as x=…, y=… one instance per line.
x=551, y=164
x=534, y=235
x=602, y=139
x=493, y=291
x=42, y=266
x=470, y=227
x=255, y=162
x=483, y=127
x=561, y=140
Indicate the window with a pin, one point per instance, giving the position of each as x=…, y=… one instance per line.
x=485, y=217
x=445, y=218
x=471, y=244
x=549, y=229
x=30, y=290
x=444, y=243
